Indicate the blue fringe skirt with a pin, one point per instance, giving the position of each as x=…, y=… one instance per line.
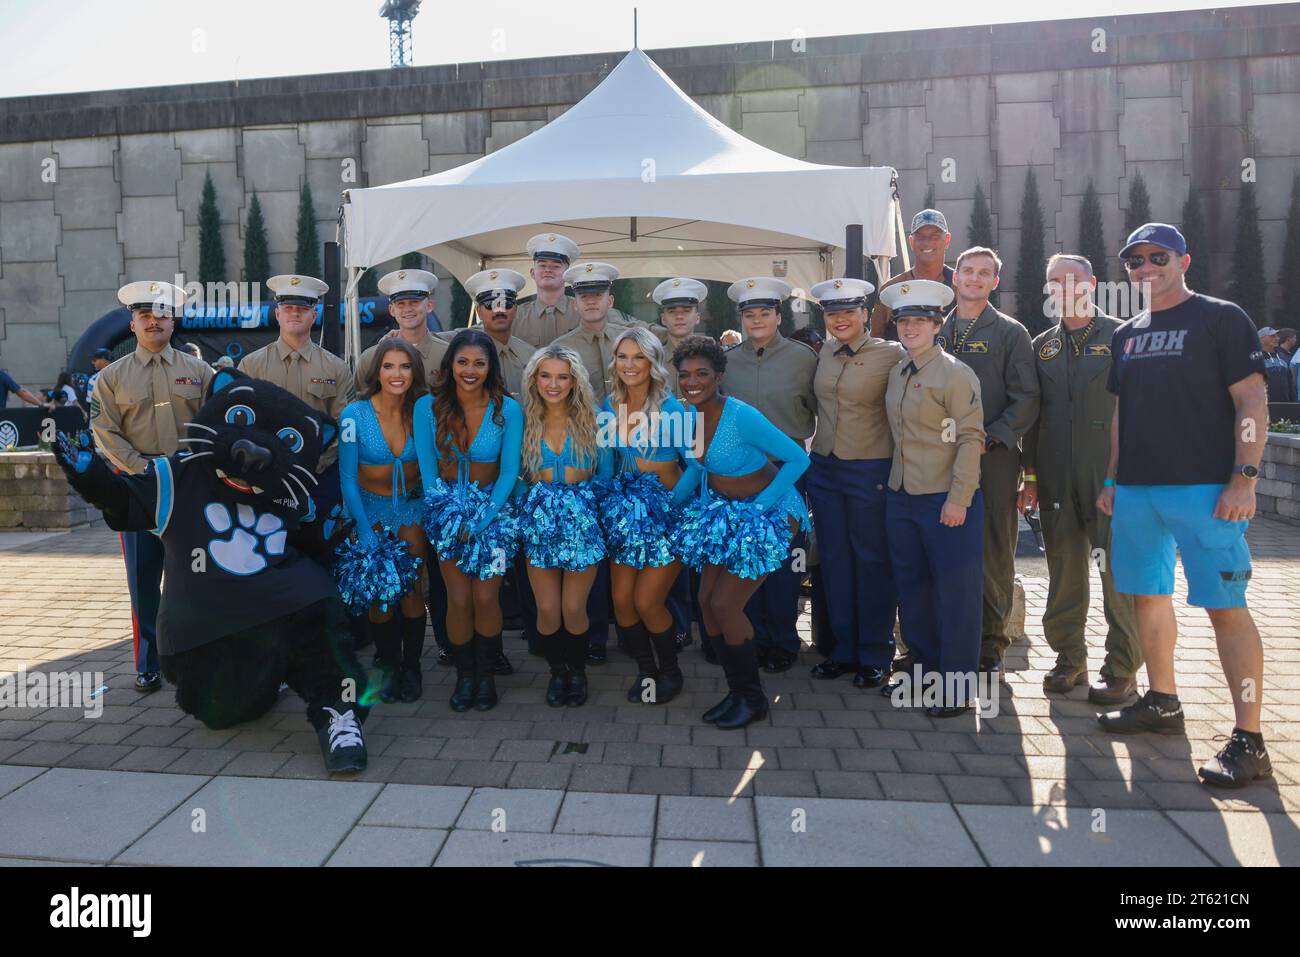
x=377, y=575
x=735, y=534
x=389, y=511
x=451, y=512
x=559, y=525
x=637, y=517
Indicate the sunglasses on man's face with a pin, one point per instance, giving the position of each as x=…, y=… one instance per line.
x=1157, y=259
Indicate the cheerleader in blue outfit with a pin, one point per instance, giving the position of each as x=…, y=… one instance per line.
x=648, y=470
x=468, y=434
x=380, y=480
x=739, y=529
x=559, y=522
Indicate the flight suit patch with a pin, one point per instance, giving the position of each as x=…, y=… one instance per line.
x=1049, y=348
x=1097, y=349
x=975, y=347
x=941, y=342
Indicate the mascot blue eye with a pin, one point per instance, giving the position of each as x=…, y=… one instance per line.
x=240, y=415
x=291, y=438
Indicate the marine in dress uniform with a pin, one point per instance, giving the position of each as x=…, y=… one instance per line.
x=494, y=292
x=852, y=454
x=139, y=408
x=551, y=313
x=1065, y=459
x=997, y=348
x=593, y=340
x=775, y=376
x=679, y=313
x=928, y=239
x=409, y=293
x=295, y=363
x=933, y=508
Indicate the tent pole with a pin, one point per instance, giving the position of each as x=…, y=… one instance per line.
x=902, y=236
x=853, y=268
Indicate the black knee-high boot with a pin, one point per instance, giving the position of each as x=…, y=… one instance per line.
x=556, y=656
x=411, y=681
x=742, y=677
x=722, y=707
x=462, y=698
x=487, y=649
x=671, y=679
x=637, y=642
x=709, y=646
x=575, y=652
x=388, y=653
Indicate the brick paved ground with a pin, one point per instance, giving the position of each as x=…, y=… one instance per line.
x=63, y=606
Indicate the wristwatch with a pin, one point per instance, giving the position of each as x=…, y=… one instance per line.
x=1249, y=471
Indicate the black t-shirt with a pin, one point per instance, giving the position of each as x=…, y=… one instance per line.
x=229, y=563
x=1171, y=371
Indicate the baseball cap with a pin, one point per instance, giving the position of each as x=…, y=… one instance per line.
x=1158, y=234
x=1268, y=331
x=928, y=217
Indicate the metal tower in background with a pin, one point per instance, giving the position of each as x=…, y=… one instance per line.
x=399, y=14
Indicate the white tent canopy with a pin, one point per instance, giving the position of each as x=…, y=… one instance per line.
x=638, y=175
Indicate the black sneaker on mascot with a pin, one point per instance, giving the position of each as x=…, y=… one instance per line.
x=341, y=743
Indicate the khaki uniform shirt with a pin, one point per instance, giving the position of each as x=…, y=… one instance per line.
x=596, y=350
x=997, y=348
x=431, y=349
x=514, y=356
x=319, y=378
x=1069, y=445
x=669, y=346
x=882, y=317
x=937, y=422
x=778, y=381
x=539, y=324
x=850, y=387
x=141, y=403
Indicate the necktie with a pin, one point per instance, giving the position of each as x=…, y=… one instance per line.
x=599, y=340
x=844, y=351
x=293, y=375
x=163, y=418
x=909, y=369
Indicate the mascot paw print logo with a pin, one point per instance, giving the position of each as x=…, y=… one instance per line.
x=239, y=553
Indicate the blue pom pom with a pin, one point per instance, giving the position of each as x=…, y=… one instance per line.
x=559, y=525
x=452, y=512
x=636, y=515
x=377, y=575
x=735, y=534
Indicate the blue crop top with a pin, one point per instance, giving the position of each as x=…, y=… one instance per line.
x=743, y=442
x=364, y=444
x=492, y=443
x=669, y=441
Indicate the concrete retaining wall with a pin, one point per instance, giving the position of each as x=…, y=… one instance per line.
x=35, y=496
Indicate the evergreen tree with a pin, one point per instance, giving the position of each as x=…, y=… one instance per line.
x=1198, y=273
x=1032, y=260
x=1248, y=288
x=1289, y=277
x=719, y=312
x=368, y=285
x=1092, y=240
x=928, y=203
x=460, y=305
x=257, y=258
x=212, y=255
x=1139, y=204
x=414, y=260
x=306, y=260
x=981, y=220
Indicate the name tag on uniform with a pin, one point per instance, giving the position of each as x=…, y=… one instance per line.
x=189, y=380
x=1096, y=350
x=323, y=381
x=975, y=347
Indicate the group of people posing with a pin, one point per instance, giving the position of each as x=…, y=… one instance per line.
x=610, y=463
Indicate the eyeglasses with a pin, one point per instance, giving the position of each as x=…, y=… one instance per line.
x=1135, y=262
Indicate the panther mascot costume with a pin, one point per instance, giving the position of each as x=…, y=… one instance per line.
x=244, y=607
